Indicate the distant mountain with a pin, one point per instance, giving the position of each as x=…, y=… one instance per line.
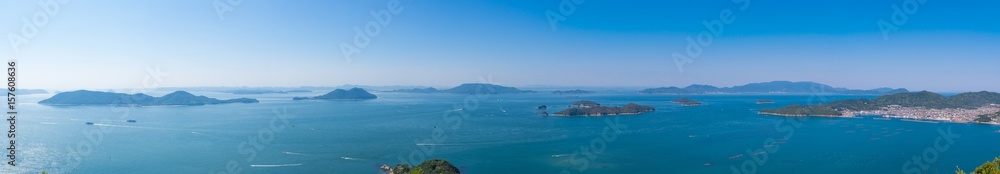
x=416, y=90
x=575, y=91
x=377, y=88
x=30, y=91
x=483, y=88
x=770, y=87
x=340, y=94
x=264, y=91
x=668, y=90
x=468, y=88
x=84, y=97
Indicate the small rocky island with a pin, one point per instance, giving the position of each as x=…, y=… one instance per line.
x=84, y=97
x=591, y=108
x=434, y=166
x=686, y=102
x=340, y=94
x=575, y=91
x=760, y=102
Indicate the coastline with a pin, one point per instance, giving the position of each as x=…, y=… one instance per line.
x=798, y=115
x=884, y=117
x=589, y=115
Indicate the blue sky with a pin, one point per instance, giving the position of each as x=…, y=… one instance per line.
x=946, y=46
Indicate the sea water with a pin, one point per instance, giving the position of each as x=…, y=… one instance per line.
x=500, y=133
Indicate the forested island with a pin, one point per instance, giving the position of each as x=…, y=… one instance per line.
x=433, y=166
x=774, y=87
x=575, y=91
x=964, y=107
x=84, y=97
x=686, y=102
x=340, y=94
x=591, y=108
x=468, y=88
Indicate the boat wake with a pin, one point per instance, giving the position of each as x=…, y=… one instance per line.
x=352, y=159
x=696, y=136
x=291, y=153
x=275, y=165
x=454, y=144
x=560, y=155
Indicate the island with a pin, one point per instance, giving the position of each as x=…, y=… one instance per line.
x=265, y=91
x=84, y=97
x=468, y=88
x=686, y=102
x=30, y=91
x=760, y=102
x=591, y=108
x=575, y=91
x=774, y=87
x=416, y=90
x=978, y=107
x=340, y=94
x=433, y=166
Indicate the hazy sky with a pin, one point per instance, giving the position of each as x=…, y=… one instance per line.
x=946, y=46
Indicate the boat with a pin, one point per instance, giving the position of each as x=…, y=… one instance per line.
x=90, y=123
x=708, y=164
x=736, y=156
x=130, y=121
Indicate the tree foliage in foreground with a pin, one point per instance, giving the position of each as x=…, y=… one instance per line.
x=990, y=167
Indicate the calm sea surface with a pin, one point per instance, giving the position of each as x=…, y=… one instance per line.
x=484, y=134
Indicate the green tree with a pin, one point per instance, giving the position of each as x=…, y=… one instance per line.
x=990, y=167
